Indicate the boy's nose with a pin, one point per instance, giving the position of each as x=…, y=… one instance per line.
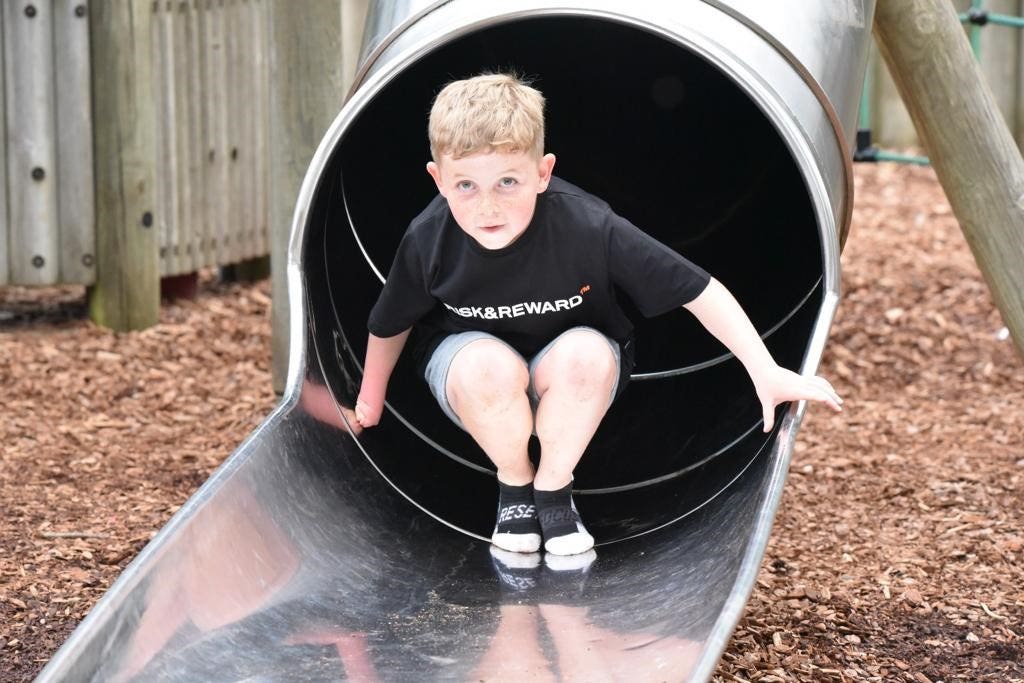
x=488, y=205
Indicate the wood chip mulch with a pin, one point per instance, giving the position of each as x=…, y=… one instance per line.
x=897, y=554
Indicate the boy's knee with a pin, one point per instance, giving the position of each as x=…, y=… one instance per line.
x=584, y=358
x=487, y=372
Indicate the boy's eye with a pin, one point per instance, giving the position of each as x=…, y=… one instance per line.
x=507, y=182
x=464, y=185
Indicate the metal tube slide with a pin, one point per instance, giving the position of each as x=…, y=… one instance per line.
x=322, y=552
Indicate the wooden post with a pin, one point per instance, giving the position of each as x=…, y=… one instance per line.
x=305, y=96
x=127, y=291
x=966, y=138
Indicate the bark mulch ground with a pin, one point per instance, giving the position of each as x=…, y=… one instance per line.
x=896, y=555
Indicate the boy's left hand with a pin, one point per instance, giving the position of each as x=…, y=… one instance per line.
x=778, y=385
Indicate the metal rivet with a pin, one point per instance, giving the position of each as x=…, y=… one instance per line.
x=147, y=219
x=80, y=11
x=88, y=260
x=30, y=11
x=38, y=173
x=234, y=153
x=38, y=261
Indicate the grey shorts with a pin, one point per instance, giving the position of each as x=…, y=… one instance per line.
x=440, y=362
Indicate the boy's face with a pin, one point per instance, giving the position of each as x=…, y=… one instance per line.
x=492, y=195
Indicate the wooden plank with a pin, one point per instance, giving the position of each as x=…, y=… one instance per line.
x=5, y=271
x=193, y=136
x=306, y=92
x=187, y=129
x=127, y=291
x=215, y=116
x=183, y=195
x=166, y=151
x=235, y=204
x=203, y=95
x=251, y=38
x=247, y=133
x=967, y=139
x=31, y=144
x=261, y=96
x=246, y=148
x=75, y=200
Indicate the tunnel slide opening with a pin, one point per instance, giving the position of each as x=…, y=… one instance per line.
x=672, y=144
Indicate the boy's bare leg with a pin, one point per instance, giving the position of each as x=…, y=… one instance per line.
x=486, y=388
x=574, y=381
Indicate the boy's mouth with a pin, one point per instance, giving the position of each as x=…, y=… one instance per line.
x=491, y=228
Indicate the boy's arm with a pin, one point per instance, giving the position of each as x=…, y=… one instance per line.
x=381, y=355
x=723, y=317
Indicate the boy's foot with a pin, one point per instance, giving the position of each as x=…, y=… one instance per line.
x=564, y=533
x=517, y=528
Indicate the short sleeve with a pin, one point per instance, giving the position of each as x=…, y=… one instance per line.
x=657, y=278
x=405, y=298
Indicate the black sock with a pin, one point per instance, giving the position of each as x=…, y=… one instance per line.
x=558, y=516
x=517, y=513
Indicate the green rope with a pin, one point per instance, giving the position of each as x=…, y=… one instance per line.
x=882, y=155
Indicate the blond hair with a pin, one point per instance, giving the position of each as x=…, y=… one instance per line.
x=490, y=112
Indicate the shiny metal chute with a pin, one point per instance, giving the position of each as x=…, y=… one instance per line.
x=321, y=552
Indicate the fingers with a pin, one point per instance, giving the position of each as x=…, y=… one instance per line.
x=351, y=423
x=826, y=394
x=365, y=416
x=768, y=414
x=799, y=388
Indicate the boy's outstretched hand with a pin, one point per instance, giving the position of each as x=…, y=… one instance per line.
x=777, y=385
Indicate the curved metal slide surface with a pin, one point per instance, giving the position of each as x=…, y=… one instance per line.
x=320, y=552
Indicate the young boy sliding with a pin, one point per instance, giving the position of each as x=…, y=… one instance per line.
x=510, y=276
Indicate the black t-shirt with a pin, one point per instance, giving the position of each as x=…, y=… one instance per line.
x=562, y=272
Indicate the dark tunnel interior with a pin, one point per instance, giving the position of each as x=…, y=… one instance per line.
x=674, y=146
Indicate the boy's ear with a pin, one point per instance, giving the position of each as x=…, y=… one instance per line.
x=435, y=173
x=547, y=165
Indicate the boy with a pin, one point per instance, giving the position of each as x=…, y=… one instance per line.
x=509, y=274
